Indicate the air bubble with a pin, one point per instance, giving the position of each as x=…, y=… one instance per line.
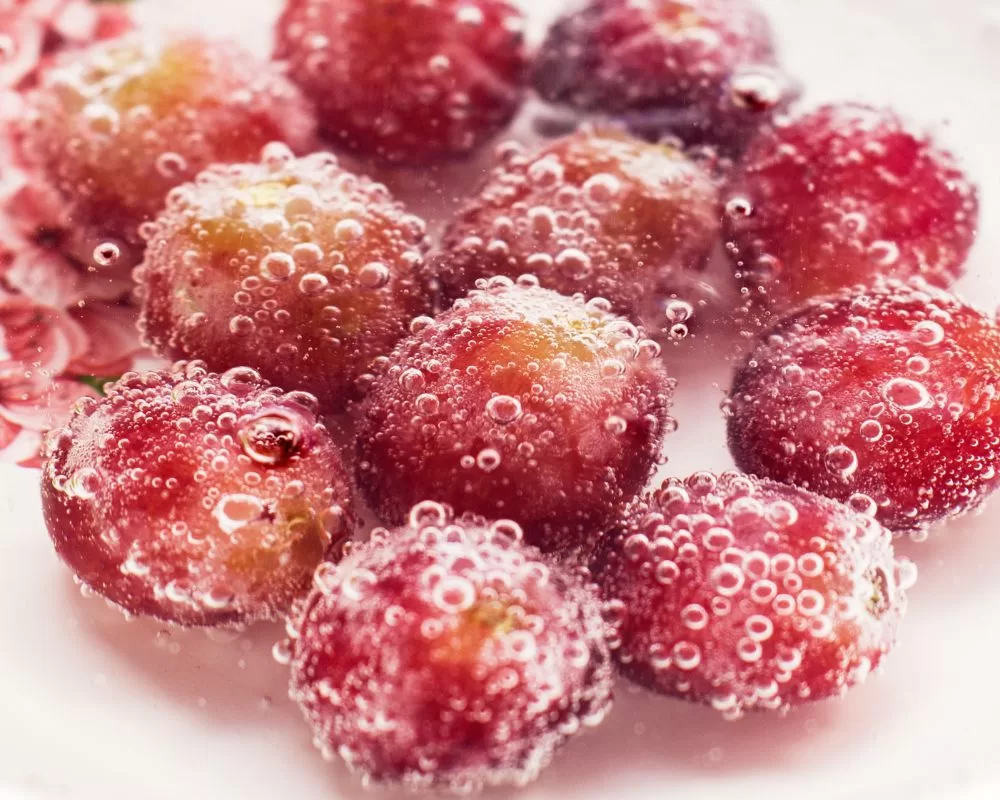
x=678, y=311
x=84, y=483
x=107, y=254
x=841, y=460
x=236, y=511
x=503, y=409
x=863, y=504
x=694, y=617
x=313, y=283
x=241, y=325
x=686, y=655
x=488, y=459
x=907, y=394
x=277, y=267
x=412, y=380
x=615, y=425
x=348, y=230
x=270, y=438
x=727, y=579
x=453, y=594
x=374, y=275
x=871, y=430
x=739, y=207
x=928, y=333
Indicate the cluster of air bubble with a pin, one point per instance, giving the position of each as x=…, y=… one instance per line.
x=841, y=196
x=745, y=594
x=117, y=126
x=885, y=398
x=296, y=267
x=703, y=70
x=407, y=81
x=196, y=498
x=521, y=403
x=597, y=212
x=447, y=655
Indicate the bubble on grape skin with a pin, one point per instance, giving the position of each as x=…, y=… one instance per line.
x=842, y=461
x=374, y=275
x=727, y=579
x=349, y=230
x=907, y=394
x=757, y=89
x=239, y=380
x=235, y=511
x=427, y=404
x=271, y=438
x=871, y=430
x=277, y=267
x=172, y=166
x=885, y=253
x=601, y=190
x=84, y=483
x=504, y=409
x=686, y=656
x=616, y=425
x=453, y=594
x=488, y=459
x=928, y=333
x=241, y=325
x=417, y=324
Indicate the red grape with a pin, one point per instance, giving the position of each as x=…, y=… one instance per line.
x=703, y=70
x=749, y=594
x=407, y=81
x=196, y=498
x=597, y=212
x=445, y=655
x=842, y=196
x=517, y=402
x=295, y=267
x=886, y=398
x=116, y=126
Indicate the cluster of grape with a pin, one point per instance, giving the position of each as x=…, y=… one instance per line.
x=505, y=386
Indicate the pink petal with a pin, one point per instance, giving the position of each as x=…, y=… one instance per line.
x=40, y=337
x=76, y=21
x=49, y=410
x=32, y=204
x=8, y=431
x=23, y=40
x=24, y=449
x=113, y=21
x=44, y=276
x=113, y=335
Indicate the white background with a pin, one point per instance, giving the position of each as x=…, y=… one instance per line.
x=91, y=705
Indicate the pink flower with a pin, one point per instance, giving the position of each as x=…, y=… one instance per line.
x=45, y=267
x=37, y=345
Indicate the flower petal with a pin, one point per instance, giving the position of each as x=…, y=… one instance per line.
x=113, y=335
